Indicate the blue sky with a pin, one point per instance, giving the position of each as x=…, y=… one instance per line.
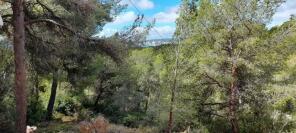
x=165, y=13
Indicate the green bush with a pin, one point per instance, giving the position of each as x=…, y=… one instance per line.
x=67, y=107
x=85, y=114
x=36, y=111
x=6, y=119
x=132, y=119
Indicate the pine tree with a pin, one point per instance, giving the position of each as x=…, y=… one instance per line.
x=229, y=33
x=20, y=65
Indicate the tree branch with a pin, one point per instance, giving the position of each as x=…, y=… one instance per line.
x=103, y=45
x=212, y=104
x=50, y=11
x=214, y=80
x=51, y=22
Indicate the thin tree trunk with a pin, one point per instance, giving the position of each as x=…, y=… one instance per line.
x=1, y=21
x=35, y=91
x=170, y=123
x=233, y=101
x=20, y=68
x=53, y=92
x=100, y=89
x=173, y=90
x=147, y=101
x=97, y=99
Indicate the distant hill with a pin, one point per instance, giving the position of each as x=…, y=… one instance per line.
x=157, y=42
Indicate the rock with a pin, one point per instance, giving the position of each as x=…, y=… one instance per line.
x=85, y=127
x=31, y=129
x=70, y=118
x=100, y=124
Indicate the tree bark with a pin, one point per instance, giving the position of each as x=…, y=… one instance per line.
x=53, y=93
x=20, y=68
x=233, y=100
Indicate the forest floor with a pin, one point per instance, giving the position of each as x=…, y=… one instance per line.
x=73, y=127
x=58, y=127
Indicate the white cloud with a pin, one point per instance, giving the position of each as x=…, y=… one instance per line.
x=107, y=32
x=142, y=4
x=284, y=12
x=113, y=27
x=159, y=32
x=168, y=16
x=125, y=18
x=124, y=2
x=145, y=4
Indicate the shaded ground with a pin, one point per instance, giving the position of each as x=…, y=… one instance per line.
x=73, y=127
x=58, y=127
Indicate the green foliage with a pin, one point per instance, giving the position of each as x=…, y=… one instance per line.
x=36, y=111
x=67, y=107
x=6, y=68
x=7, y=114
x=211, y=41
x=7, y=111
x=225, y=36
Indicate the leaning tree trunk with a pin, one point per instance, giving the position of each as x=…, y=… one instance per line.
x=233, y=100
x=20, y=68
x=53, y=93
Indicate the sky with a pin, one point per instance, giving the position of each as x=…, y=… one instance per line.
x=165, y=13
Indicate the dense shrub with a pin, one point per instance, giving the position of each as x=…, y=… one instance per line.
x=36, y=111
x=7, y=114
x=67, y=107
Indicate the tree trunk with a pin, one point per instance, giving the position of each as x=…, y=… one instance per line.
x=170, y=123
x=36, y=88
x=20, y=68
x=53, y=92
x=233, y=100
x=173, y=90
x=1, y=21
x=147, y=101
x=100, y=90
x=97, y=99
